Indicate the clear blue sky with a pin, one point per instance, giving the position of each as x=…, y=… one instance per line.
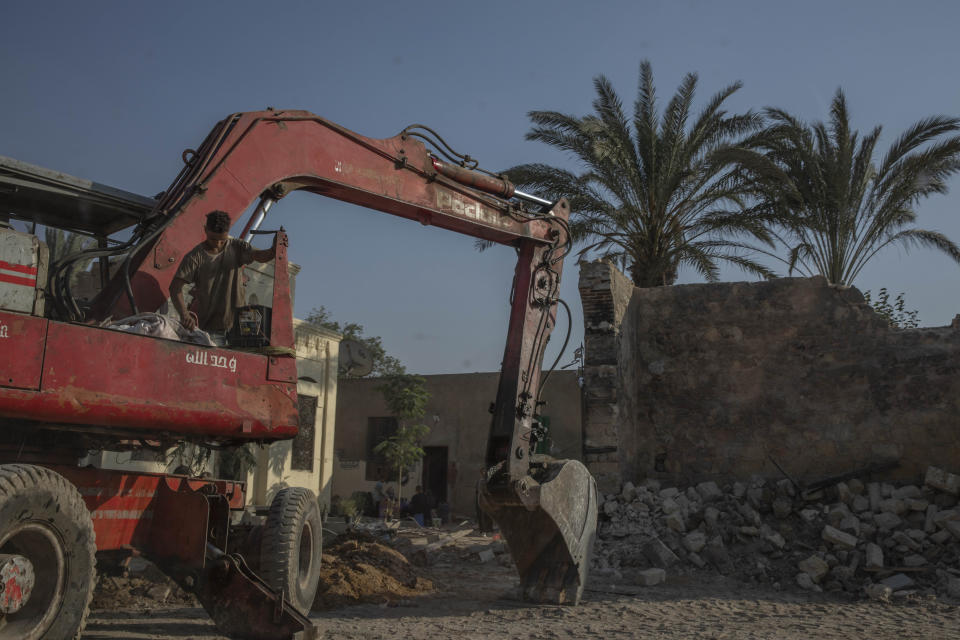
x=114, y=91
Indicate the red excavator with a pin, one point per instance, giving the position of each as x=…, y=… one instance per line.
x=70, y=384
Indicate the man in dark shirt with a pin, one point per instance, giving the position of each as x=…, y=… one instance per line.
x=213, y=267
x=420, y=506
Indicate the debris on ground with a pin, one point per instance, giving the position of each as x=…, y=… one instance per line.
x=357, y=568
x=120, y=592
x=864, y=539
x=360, y=568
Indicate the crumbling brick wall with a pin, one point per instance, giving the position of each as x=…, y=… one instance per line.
x=711, y=381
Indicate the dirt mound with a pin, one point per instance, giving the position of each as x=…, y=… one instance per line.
x=356, y=569
x=361, y=570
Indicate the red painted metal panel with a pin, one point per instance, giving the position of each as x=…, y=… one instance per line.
x=94, y=376
x=281, y=329
x=133, y=510
x=282, y=369
x=182, y=521
x=21, y=350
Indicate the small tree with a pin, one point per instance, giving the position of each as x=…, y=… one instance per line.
x=405, y=394
x=383, y=364
x=897, y=315
x=406, y=397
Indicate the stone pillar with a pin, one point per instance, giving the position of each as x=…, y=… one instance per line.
x=605, y=294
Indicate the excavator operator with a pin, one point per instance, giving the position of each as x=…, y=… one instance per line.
x=213, y=268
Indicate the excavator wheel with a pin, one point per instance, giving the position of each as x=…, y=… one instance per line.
x=550, y=529
x=291, y=546
x=47, y=559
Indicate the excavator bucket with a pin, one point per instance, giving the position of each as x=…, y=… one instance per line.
x=549, y=520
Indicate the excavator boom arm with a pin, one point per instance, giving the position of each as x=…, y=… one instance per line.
x=268, y=154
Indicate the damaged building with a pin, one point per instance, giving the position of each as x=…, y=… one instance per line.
x=455, y=447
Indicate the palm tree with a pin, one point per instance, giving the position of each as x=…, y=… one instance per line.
x=655, y=194
x=837, y=208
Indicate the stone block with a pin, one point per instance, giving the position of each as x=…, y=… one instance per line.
x=651, y=484
x=940, y=537
x=873, y=492
x=711, y=516
x=806, y=582
x=893, y=505
x=815, y=567
x=916, y=535
x=651, y=577
x=775, y=539
x=675, y=522
x=879, y=592
x=759, y=497
x=669, y=492
x=159, y=592
x=838, y=538
x=953, y=526
x=782, y=507
x=842, y=573
x=750, y=515
x=917, y=504
x=907, y=491
x=942, y=480
x=695, y=541
x=930, y=524
x=837, y=513
x=856, y=486
x=844, y=494
x=140, y=566
x=859, y=504
x=659, y=554
x=897, y=582
x=945, y=514
x=809, y=515
x=709, y=491
x=786, y=488
x=850, y=524
x=887, y=521
x=629, y=492
x=953, y=587
x=486, y=555
x=670, y=506
x=696, y=560
x=716, y=553
x=915, y=560
x=902, y=539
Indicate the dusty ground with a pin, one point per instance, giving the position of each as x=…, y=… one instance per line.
x=473, y=600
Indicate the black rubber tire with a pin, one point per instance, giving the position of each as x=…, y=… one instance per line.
x=292, y=545
x=43, y=517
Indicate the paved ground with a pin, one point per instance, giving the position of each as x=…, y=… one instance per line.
x=475, y=602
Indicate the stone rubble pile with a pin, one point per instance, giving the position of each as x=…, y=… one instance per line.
x=867, y=539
